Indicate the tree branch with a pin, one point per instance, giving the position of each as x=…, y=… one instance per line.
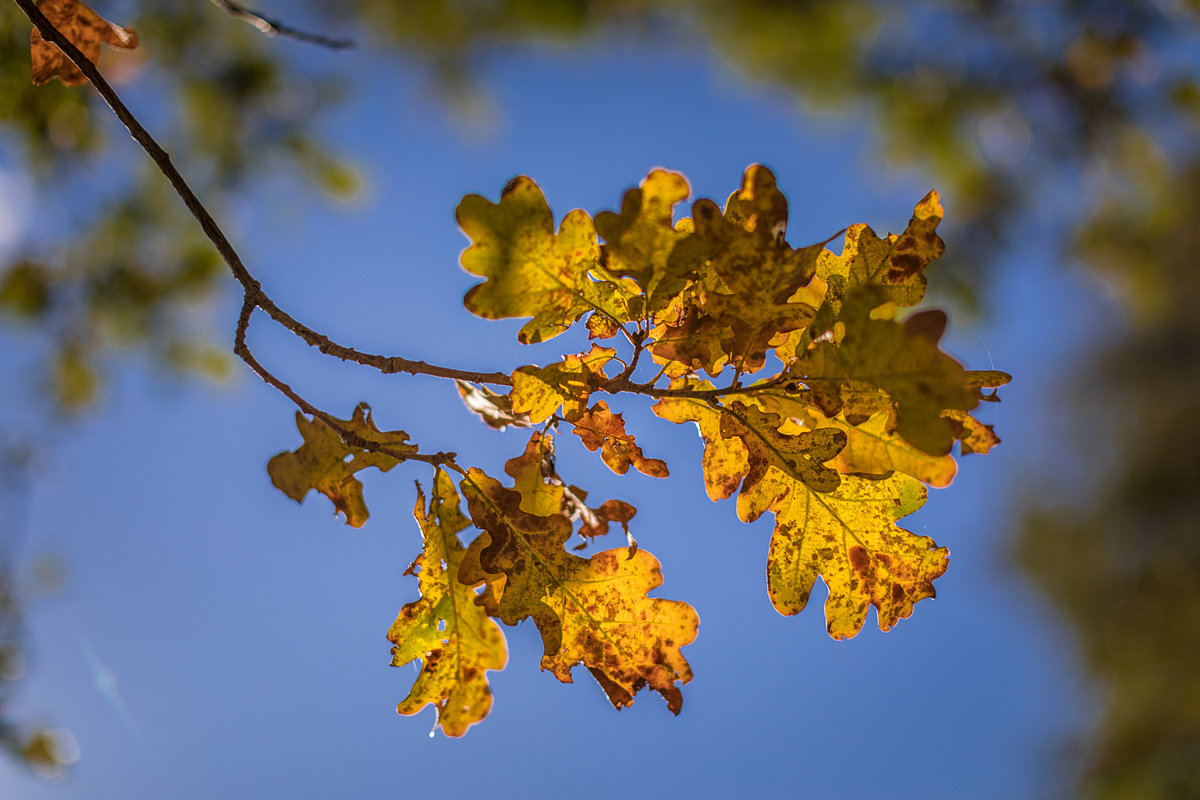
x=349, y=437
x=271, y=27
x=250, y=285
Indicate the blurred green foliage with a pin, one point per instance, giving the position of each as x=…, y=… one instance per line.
x=1013, y=108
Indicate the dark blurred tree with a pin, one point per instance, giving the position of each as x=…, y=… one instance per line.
x=1013, y=107
x=1121, y=557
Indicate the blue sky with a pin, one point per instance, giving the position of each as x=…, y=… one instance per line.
x=213, y=638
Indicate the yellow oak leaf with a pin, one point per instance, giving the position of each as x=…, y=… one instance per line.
x=325, y=463
x=640, y=240
x=848, y=537
x=724, y=462
x=529, y=270
x=902, y=359
x=777, y=460
x=85, y=29
x=534, y=477
x=544, y=493
x=872, y=447
x=590, y=611
x=539, y=391
x=895, y=263
x=599, y=428
x=455, y=639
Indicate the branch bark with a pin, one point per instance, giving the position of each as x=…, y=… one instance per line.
x=273, y=27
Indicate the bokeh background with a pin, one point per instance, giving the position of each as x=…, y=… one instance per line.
x=172, y=626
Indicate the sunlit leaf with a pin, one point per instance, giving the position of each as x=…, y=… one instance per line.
x=599, y=428
x=849, y=538
x=757, y=271
x=325, y=463
x=895, y=263
x=639, y=241
x=902, y=359
x=593, y=612
x=494, y=409
x=529, y=270
x=724, y=463
x=455, y=640
x=538, y=392
x=799, y=457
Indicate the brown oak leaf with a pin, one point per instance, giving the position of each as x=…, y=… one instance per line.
x=599, y=428
x=85, y=29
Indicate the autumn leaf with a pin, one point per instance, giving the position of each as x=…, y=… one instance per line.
x=973, y=435
x=538, y=392
x=592, y=611
x=902, y=359
x=896, y=263
x=639, y=241
x=544, y=493
x=757, y=271
x=453, y=637
x=689, y=343
x=599, y=428
x=980, y=379
x=777, y=461
x=872, y=447
x=532, y=272
x=848, y=537
x=724, y=462
x=494, y=409
x=325, y=463
x=85, y=29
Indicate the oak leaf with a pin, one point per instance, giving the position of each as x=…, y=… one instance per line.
x=538, y=392
x=599, y=428
x=903, y=360
x=798, y=456
x=724, y=462
x=848, y=537
x=494, y=409
x=689, y=343
x=640, y=239
x=779, y=460
x=325, y=463
x=757, y=271
x=544, y=493
x=872, y=446
x=455, y=639
x=895, y=263
x=85, y=29
x=532, y=272
x=973, y=435
x=980, y=379
x=592, y=611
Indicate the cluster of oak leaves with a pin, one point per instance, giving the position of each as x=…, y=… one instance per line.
x=833, y=415
x=836, y=435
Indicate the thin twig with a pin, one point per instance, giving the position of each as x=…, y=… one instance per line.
x=272, y=27
x=252, y=288
x=348, y=436
x=255, y=297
